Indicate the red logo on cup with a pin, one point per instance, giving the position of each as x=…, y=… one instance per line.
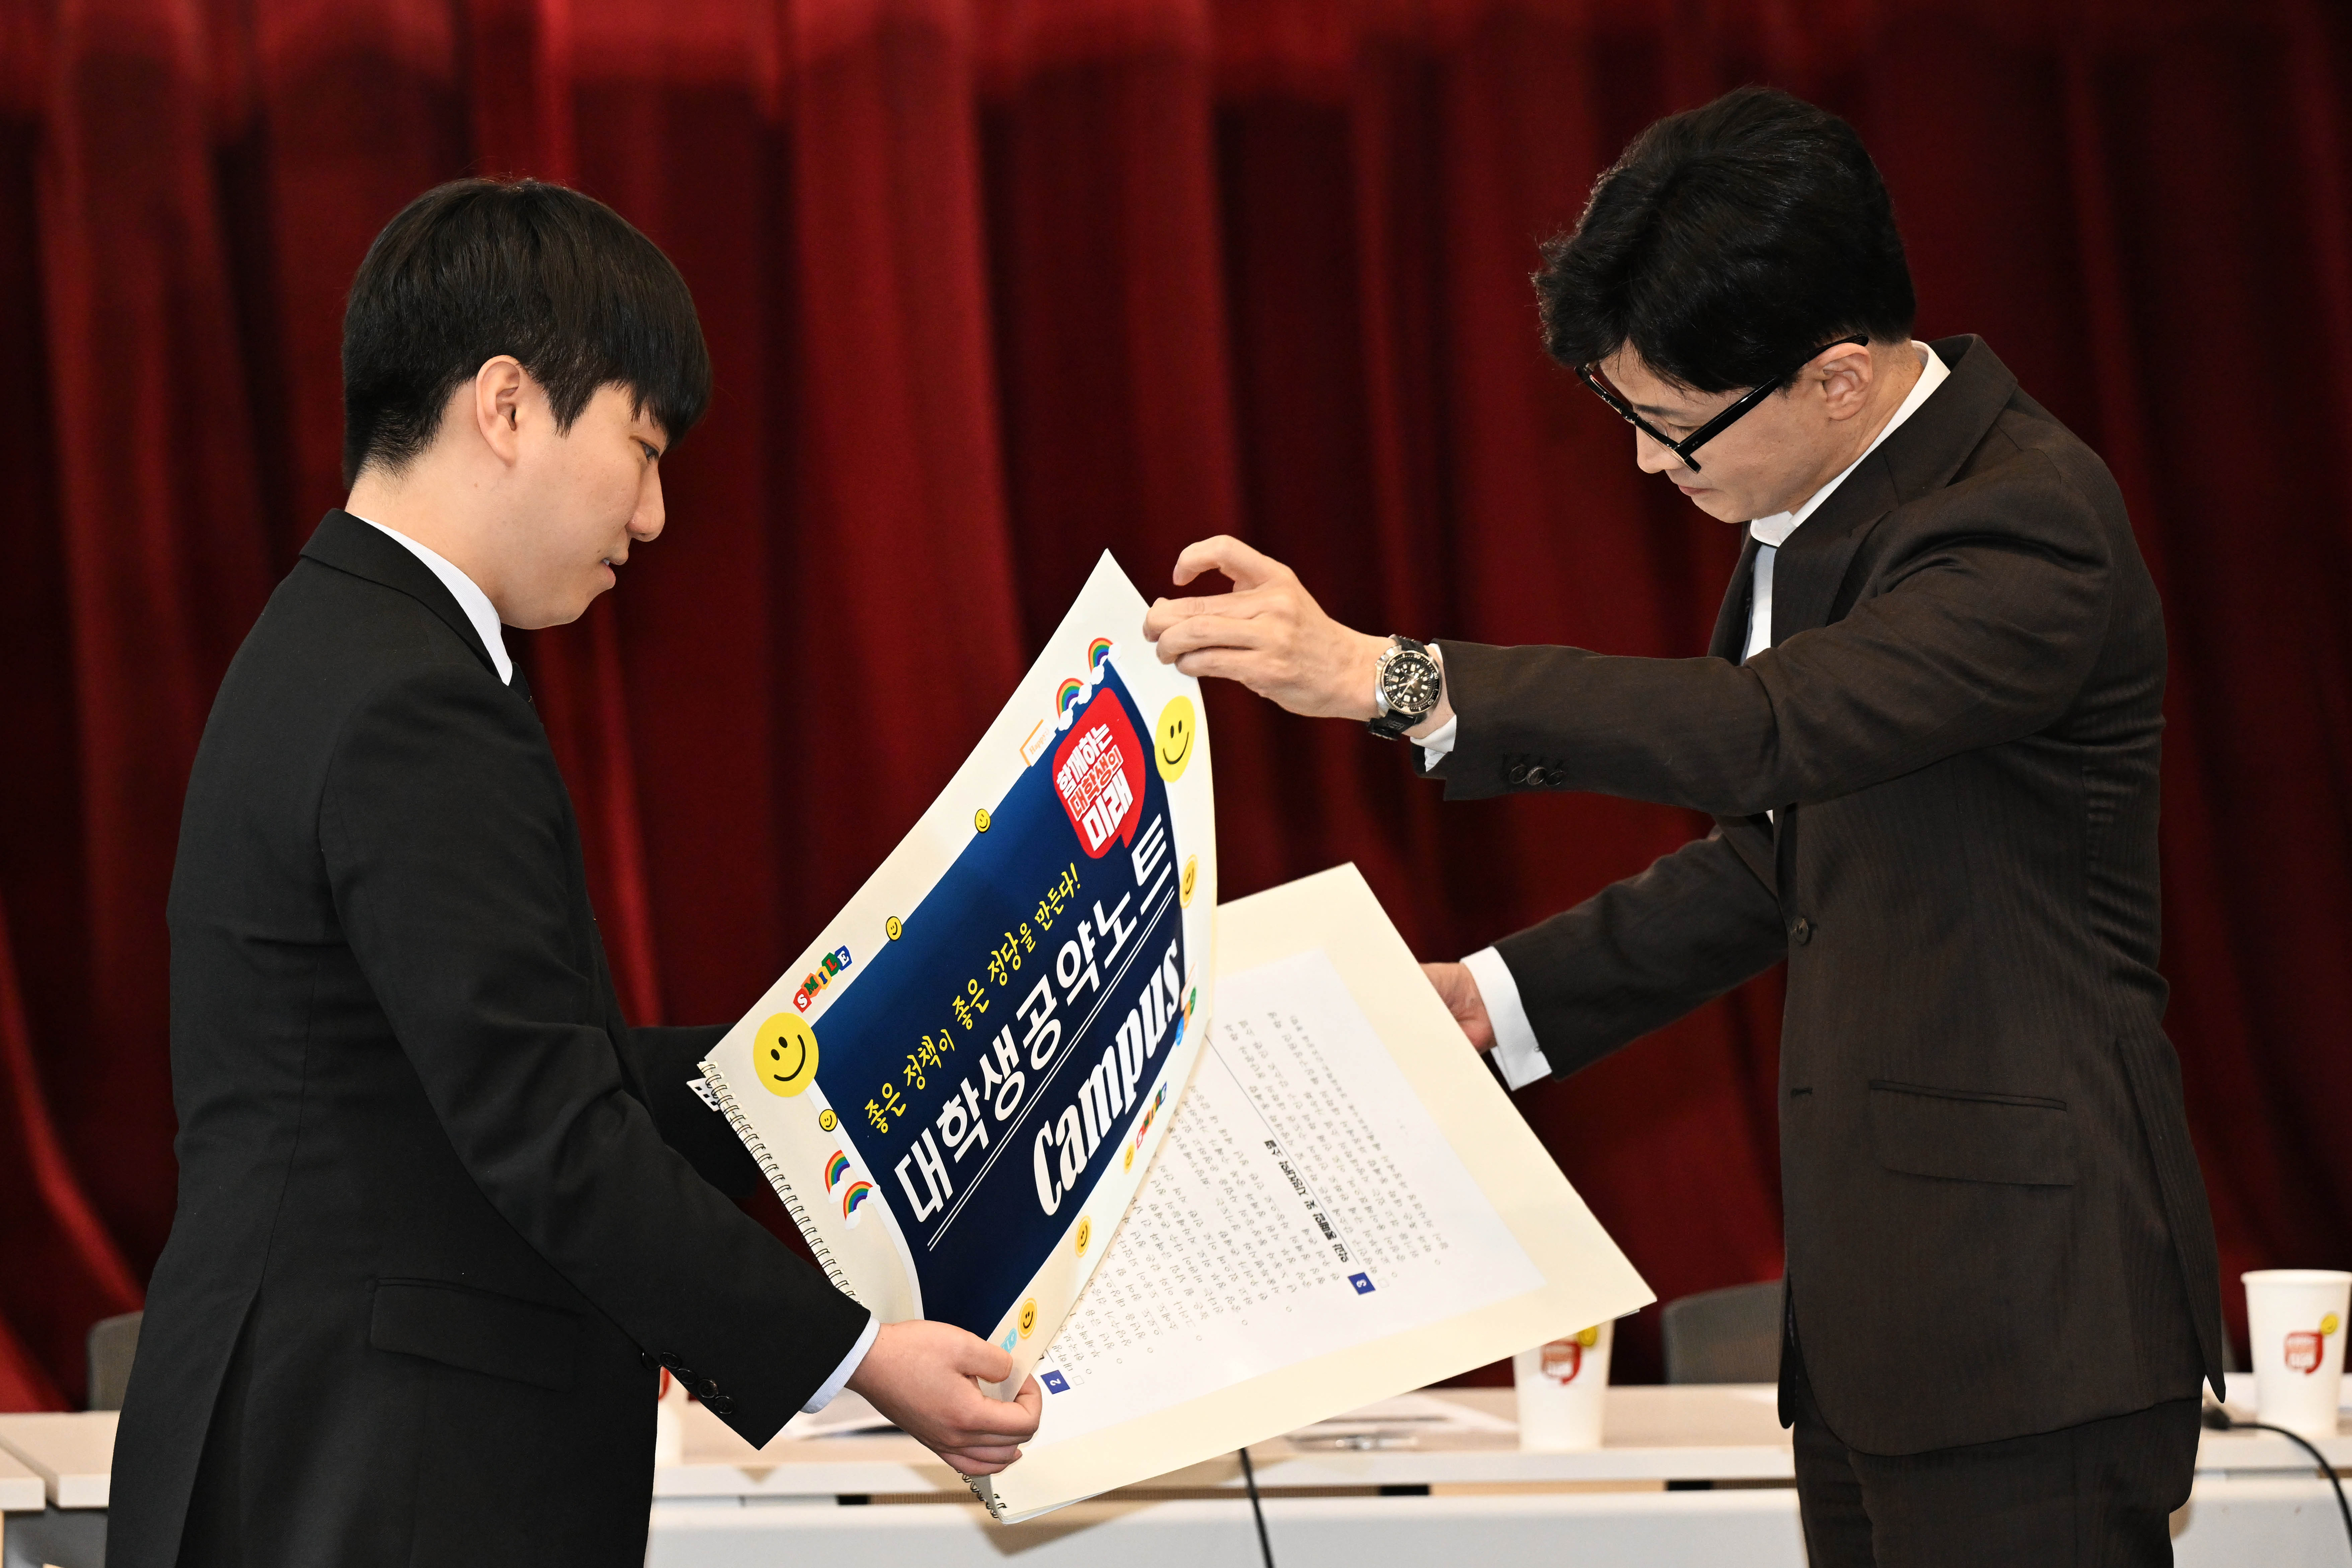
x=2303, y=1353
x=1099, y=770
x=1562, y=1360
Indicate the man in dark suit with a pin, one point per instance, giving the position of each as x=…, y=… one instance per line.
x=1928, y=729
x=443, y=1215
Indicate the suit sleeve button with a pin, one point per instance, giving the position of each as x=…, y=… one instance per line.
x=1803, y=931
x=720, y=1405
x=1518, y=773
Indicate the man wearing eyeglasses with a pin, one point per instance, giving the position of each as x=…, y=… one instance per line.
x=1928, y=733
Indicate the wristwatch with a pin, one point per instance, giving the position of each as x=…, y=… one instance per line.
x=1406, y=683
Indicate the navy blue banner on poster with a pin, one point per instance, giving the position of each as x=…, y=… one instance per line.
x=957, y=1089
x=984, y=1102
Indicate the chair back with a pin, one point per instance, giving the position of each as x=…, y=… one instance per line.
x=1731, y=1336
x=112, y=1343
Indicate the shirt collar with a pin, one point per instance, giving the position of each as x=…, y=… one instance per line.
x=1775, y=529
x=469, y=597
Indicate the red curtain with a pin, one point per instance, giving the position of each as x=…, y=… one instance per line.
x=992, y=285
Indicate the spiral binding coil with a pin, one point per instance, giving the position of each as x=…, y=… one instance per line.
x=775, y=1175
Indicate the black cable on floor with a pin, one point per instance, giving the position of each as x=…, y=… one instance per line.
x=2221, y=1420
x=1257, y=1508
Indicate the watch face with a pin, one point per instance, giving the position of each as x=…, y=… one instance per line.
x=1410, y=680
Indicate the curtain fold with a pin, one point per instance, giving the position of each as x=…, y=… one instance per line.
x=156, y=509
x=65, y=1271
x=992, y=286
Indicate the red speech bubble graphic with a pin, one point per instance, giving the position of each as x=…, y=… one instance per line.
x=1099, y=770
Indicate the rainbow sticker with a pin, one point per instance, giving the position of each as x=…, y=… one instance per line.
x=1067, y=697
x=852, y=1201
x=834, y=1169
x=1097, y=651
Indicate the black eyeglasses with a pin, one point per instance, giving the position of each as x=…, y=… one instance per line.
x=1714, y=427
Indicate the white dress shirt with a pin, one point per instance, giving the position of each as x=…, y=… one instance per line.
x=469, y=597
x=1516, y=1051
x=849, y=1367
x=485, y=618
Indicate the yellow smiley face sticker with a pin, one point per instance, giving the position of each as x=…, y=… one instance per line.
x=826, y=1121
x=1086, y=1234
x=1171, y=741
x=1028, y=1316
x=2327, y=1325
x=1192, y=879
x=784, y=1053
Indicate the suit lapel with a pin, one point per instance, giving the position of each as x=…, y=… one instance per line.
x=1806, y=575
x=1730, y=639
x=1810, y=567
x=1750, y=837
x=349, y=545
x=1919, y=459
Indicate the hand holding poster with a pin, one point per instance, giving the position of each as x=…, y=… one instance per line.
x=957, y=1089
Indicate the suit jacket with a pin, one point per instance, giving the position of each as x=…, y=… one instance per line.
x=441, y=1211
x=1995, y=1221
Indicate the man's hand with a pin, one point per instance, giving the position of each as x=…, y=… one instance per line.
x=1269, y=634
x=926, y=1377
x=1460, y=992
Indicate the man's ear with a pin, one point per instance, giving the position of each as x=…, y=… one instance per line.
x=500, y=388
x=1845, y=373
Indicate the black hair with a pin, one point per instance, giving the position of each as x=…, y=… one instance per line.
x=476, y=268
x=1726, y=244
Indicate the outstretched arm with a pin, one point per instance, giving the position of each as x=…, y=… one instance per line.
x=1631, y=958
x=1270, y=636
x=1643, y=952
x=1988, y=619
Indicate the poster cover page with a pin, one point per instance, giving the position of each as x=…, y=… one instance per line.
x=957, y=1090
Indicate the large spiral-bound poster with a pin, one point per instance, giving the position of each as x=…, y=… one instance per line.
x=959, y=1086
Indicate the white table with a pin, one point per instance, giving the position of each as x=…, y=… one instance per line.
x=55, y=1472
x=1470, y=1496
x=21, y=1487
x=1691, y=1475
x=1696, y=1475
x=72, y=1456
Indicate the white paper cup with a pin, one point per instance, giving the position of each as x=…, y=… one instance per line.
x=2296, y=1318
x=1563, y=1387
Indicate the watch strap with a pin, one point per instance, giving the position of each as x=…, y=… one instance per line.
x=1388, y=724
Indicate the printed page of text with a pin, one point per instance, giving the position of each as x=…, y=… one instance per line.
x=1305, y=1203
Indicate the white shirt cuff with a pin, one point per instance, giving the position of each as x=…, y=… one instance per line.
x=1438, y=744
x=847, y=1369
x=1515, y=1051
